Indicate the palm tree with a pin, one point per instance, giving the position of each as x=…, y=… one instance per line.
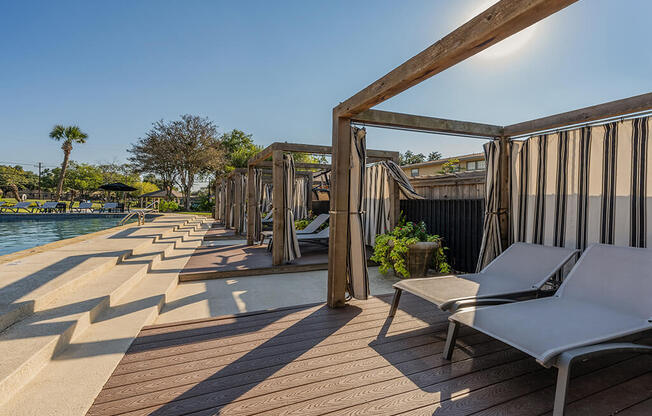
x=69, y=135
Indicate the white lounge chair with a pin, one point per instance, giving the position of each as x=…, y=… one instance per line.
x=520, y=270
x=606, y=296
x=268, y=218
x=314, y=224
x=319, y=237
x=83, y=206
x=18, y=206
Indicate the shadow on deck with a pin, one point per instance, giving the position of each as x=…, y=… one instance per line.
x=312, y=360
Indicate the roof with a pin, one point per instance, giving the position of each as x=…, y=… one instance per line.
x=161, y=194
x=444, y=160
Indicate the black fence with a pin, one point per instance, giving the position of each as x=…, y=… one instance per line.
x=457, y=221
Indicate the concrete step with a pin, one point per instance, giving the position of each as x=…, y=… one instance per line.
x=70, y=379
x=30, y=284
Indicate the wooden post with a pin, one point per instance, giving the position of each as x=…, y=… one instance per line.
x=227, y=203
x=216, y=206
x=505, y=179
x=237, y=202
x=395, y=198
x=278, y=200
x=339, y=218
x=252, y=203
x=309, y=196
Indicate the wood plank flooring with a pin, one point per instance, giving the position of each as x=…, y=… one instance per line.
x=312, y=360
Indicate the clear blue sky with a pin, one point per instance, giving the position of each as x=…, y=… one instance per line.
x=276, y=69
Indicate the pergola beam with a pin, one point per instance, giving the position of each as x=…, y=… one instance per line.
x=260, y=160
x=498, y=22
x=431, y=124
x=616, y=108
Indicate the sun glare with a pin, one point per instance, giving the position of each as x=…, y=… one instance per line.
x=508, y=46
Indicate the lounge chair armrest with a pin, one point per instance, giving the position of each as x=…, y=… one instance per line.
x=455, y=305
x=566, y=358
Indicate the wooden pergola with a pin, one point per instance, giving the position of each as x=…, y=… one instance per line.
x=276, y=151
x=495, y=24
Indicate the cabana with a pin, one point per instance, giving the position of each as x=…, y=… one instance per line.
x=505, y=160
x=279, y=166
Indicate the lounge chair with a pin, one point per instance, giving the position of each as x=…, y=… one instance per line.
x=109, y=206
x=519, y=271
x=606, y=296
x=83, y=206
x=314, y=224
x=319, y=238
x=47, y=207
x=18, y=206
x=268, y=218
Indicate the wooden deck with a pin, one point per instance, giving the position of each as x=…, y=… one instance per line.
x=218, y=232
x=242, y=260
x=312, y=360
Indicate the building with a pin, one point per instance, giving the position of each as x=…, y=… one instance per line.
x=470, y=162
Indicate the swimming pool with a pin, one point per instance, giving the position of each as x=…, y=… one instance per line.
x=20, y=232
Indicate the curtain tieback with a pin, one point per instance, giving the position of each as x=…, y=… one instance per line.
x=347, y=212
x=498, y=212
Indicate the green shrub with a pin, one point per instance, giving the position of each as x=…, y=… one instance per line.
x=390, y=250
x=168, y=206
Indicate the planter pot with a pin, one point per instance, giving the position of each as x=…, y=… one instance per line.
x=420, y=257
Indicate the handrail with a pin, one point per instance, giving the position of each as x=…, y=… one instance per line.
x=140, y=212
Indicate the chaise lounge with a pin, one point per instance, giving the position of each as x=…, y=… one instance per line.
x=521, y=270
x=606, y=296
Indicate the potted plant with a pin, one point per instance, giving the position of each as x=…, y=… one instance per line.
x=410, y=251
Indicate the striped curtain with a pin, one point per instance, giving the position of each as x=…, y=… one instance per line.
x=267, y=198
x=491, y=245
x=583, y=186
x=357, y=276
x=242, y=227
x=301, y=195
x=401, y=179
x=231, y=193
x=290, y=243
x=258, y=214
x=376, y=203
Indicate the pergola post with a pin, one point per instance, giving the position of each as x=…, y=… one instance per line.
x=227, y=203
x=278, y=201
x=339, y=215
x=309, y=191
x=251, y=205
x=216, y=206
x=237, y=202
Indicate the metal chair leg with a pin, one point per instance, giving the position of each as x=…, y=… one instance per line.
x=563, y=375
x=451, y=336
x=395, y=300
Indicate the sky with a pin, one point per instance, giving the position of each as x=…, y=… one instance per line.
x=276, y=69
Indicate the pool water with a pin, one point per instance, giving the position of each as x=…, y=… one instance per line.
x=21, y=234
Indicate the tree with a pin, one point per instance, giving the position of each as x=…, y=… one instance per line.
x=197, y=150
x=450, y=166
x=13, y=177
x=238, y=148
x=434, y=156
x=69, y=135
x=409, y=158
x=83, y=177
x=154, y=154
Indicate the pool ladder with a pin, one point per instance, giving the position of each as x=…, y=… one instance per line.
x=140, y=212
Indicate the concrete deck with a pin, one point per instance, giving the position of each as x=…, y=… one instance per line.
x=211, y=298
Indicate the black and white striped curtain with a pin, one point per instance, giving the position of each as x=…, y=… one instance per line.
x=491, y=245
x=258, y=213
x=583, y=186
x=357, y=276
x=231, y=202
x=301, y=195
x=376, y=203
x=290, y=243
x=401, y=179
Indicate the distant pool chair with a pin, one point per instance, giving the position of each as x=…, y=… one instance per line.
x=83, y=206
x=307, y=234
x=109, y=207
x=47, y=207
x=17, y=207
x=519, y=271
x=606, y=296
